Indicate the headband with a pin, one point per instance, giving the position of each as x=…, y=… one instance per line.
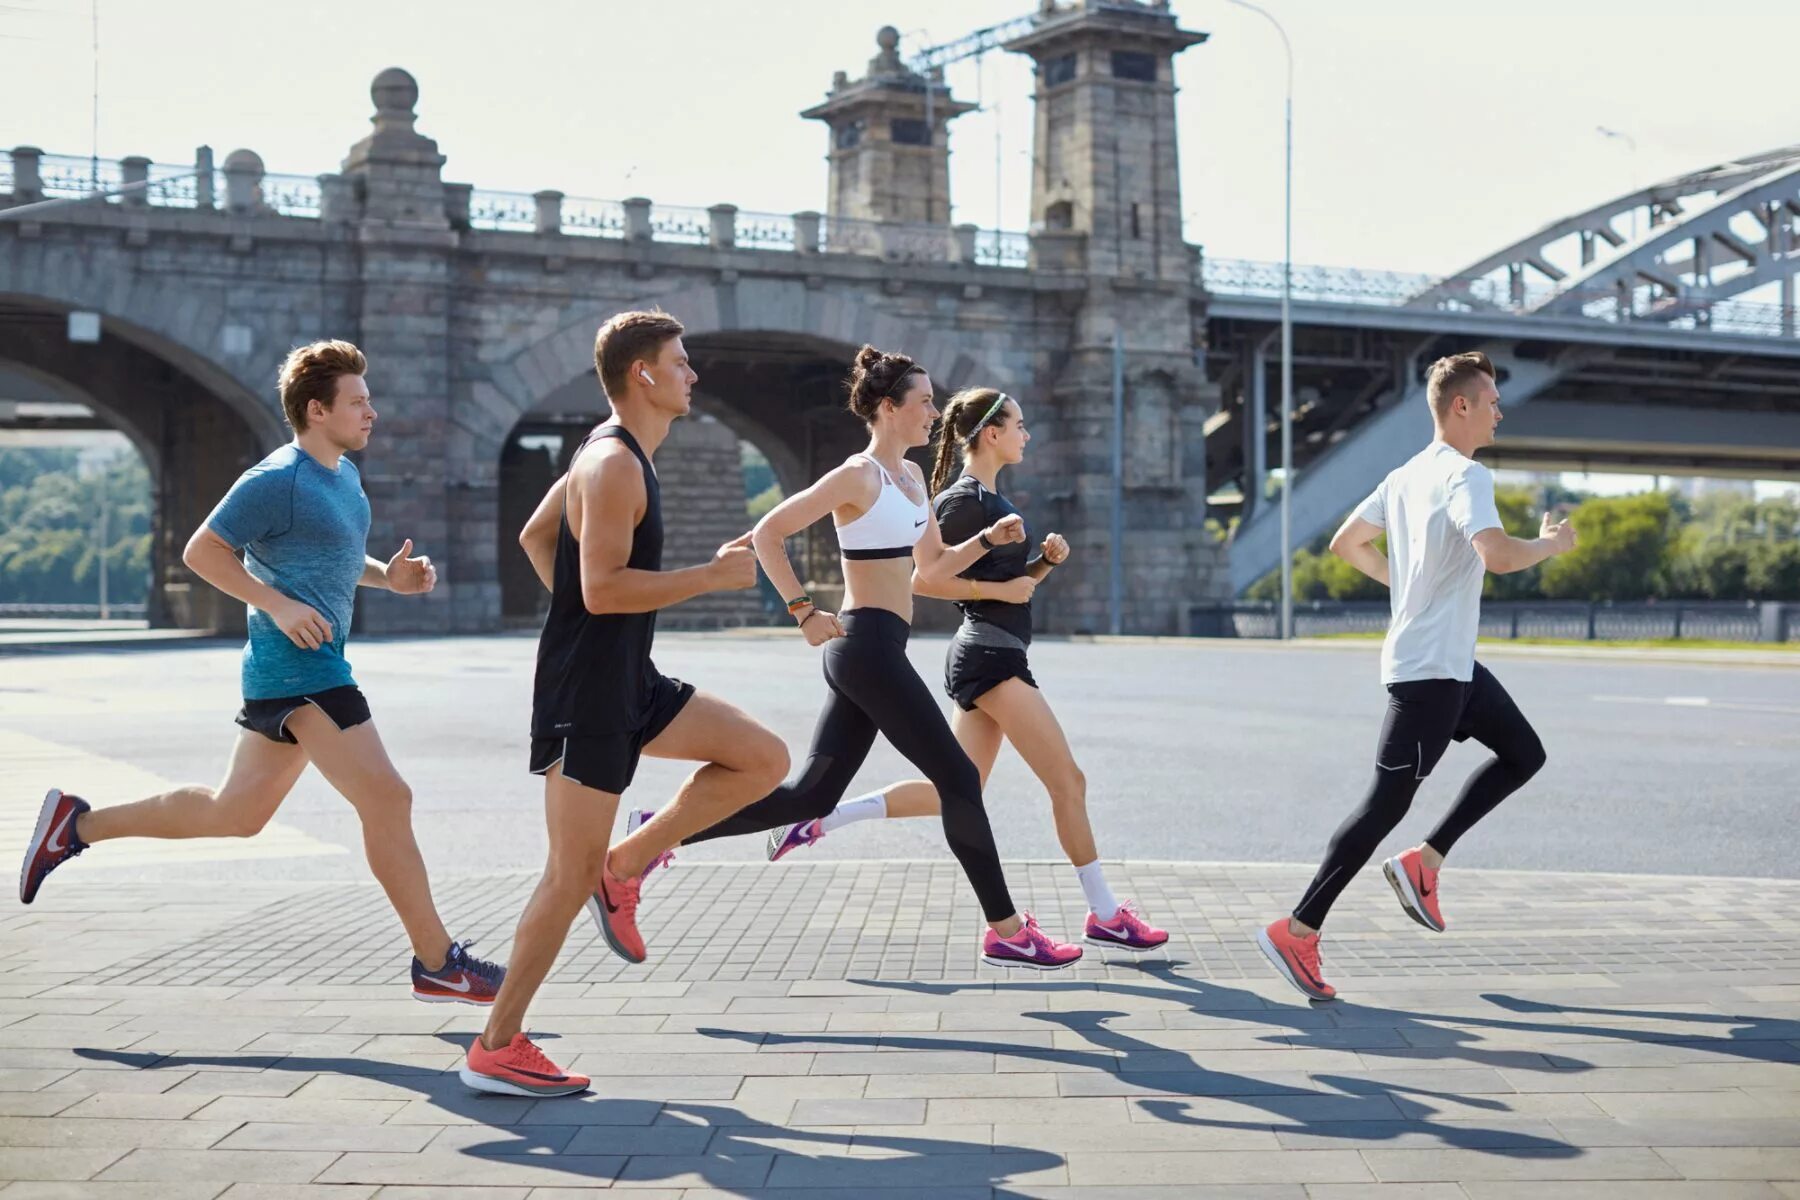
x=995, y=407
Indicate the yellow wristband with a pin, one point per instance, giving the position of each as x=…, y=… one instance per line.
x=974, y=590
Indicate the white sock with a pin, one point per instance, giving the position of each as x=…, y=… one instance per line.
x=1100, y=897
x=872, y=807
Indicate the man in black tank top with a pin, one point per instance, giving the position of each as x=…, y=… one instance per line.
x=598, y=700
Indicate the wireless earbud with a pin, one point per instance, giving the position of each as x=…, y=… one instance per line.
x=645, y=376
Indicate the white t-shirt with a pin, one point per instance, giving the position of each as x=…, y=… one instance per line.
x=1432, y=507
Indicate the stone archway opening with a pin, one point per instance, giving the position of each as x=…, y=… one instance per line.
x=193, y=439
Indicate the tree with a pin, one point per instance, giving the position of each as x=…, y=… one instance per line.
x=1623, y=551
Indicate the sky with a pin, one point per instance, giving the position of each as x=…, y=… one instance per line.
x=1427, y=132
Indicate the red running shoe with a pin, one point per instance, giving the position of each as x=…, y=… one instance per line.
x=53, y=842
x=1417, y=886
x=1297, y=958
x=613, y=906
x=518, y=1069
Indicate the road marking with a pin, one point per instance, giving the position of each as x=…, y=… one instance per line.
x=30, y=765
x=1702, y=702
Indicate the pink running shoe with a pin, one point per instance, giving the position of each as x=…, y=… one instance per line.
x=633, y=821
x=1297, y=958
x=1127, y=930
x=1031, y=948
x=784, y=838
x=614, y=905
x=1417, y=886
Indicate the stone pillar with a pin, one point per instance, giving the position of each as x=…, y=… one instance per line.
x=965, y=244
x=890, y=153
x=426, y=476
x=1104, y=149
x=806, y=232
x=203, y=178
x=637, y=220
x=722, y=226
x=457, y=197
x=136, y=169
x=549, y=211
x=243, y=182
x=337, y=199
x=28, y=180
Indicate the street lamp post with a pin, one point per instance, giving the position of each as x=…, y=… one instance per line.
x=1287, y=325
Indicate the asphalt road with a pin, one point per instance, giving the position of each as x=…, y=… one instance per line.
x=1194, y=750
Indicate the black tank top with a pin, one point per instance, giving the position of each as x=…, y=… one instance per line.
x=594, y=674
x=964, y=509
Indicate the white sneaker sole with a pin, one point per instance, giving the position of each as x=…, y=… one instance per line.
x=1091, y=940
x=1402, y=884
x=1026, y=963
x=1281, y=965
x=425, y=999
x=599, y=916
x=500, y=1087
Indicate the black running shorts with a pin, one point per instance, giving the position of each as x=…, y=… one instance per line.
x=344, y=705
x=608, y=761
x=972, y=670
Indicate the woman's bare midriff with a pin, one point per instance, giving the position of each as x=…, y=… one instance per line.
x=879, y=583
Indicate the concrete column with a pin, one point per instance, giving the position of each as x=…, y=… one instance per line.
x=806, y=232
x=136, y=169
x=723, y=226
x=28, y=181
x=456, y=203
x=965, y=244
x=637, y=220
x=203, y=178
x=243, y=182
x=549, y=211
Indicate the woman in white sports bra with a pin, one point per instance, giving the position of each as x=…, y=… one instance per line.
x=886, y=527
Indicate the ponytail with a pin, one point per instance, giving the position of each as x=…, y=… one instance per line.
x=966, y=414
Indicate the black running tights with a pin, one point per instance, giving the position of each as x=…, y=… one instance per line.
x=873, y=688
x=1422, y=719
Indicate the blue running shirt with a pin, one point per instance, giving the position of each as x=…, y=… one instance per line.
x=303, y=530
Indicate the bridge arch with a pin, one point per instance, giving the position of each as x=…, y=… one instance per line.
x=195, y=424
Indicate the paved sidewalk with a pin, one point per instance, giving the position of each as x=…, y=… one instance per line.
x=825, y=1030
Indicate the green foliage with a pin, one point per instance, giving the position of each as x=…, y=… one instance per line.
x=1623, y=551
x=760, y=504
x=1653, y=545
x=49, y=525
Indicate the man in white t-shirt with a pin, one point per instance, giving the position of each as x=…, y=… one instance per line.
x=1444, y=535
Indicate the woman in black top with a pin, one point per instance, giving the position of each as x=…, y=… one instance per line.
x=987, y=670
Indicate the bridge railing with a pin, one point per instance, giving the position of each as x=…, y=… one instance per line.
x=1400, y=289
x=167, y=185
x=1717, y=620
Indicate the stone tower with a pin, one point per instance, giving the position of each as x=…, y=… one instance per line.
x=1106, y=204
x=890, y=153
x=1105, y=176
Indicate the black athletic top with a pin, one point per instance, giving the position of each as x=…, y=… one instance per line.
x=964, y=509
x=594, y=674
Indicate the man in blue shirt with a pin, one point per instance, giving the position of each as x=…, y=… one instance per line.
x=300, y=520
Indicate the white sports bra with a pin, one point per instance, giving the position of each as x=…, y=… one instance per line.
x=889, y=528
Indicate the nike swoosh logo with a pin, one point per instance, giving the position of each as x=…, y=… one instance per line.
x=462, y=984
x=916, y=524
x=1385, y=767
x=607, y=900
x=1300, y=967
x=55, y=844
x=539, y=1075
x=1029, y=949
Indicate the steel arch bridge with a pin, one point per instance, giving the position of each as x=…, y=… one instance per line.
x=1654, y=332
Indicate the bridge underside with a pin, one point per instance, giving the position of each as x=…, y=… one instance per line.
x=1359, y=411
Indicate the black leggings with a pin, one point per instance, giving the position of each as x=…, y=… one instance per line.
x=873, y=688
x=1422, y=719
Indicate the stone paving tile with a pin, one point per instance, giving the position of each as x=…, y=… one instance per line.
x=38, y=1162
x=36, y=1104
x=1566, y=1163
x=1386, y=1191
x=1642, y=1189
x=315, y=1191
x=859, y=1112
x=1737, y=1162
x=465, y=1170
x=141, y=1106
x=1217, y=1167
x=95, y=1190
x=249, y=1166
x=96, y=1133
x=259, y=1135
x=1696, y=1132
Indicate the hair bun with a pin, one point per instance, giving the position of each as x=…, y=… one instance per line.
x=869, y=358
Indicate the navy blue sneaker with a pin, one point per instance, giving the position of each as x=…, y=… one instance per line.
x=53, y=842
x=463, y=979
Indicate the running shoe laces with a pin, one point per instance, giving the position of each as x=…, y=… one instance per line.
x=625, y=901
x=1308, y=950
x=481, y=968
x=523, y=1048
